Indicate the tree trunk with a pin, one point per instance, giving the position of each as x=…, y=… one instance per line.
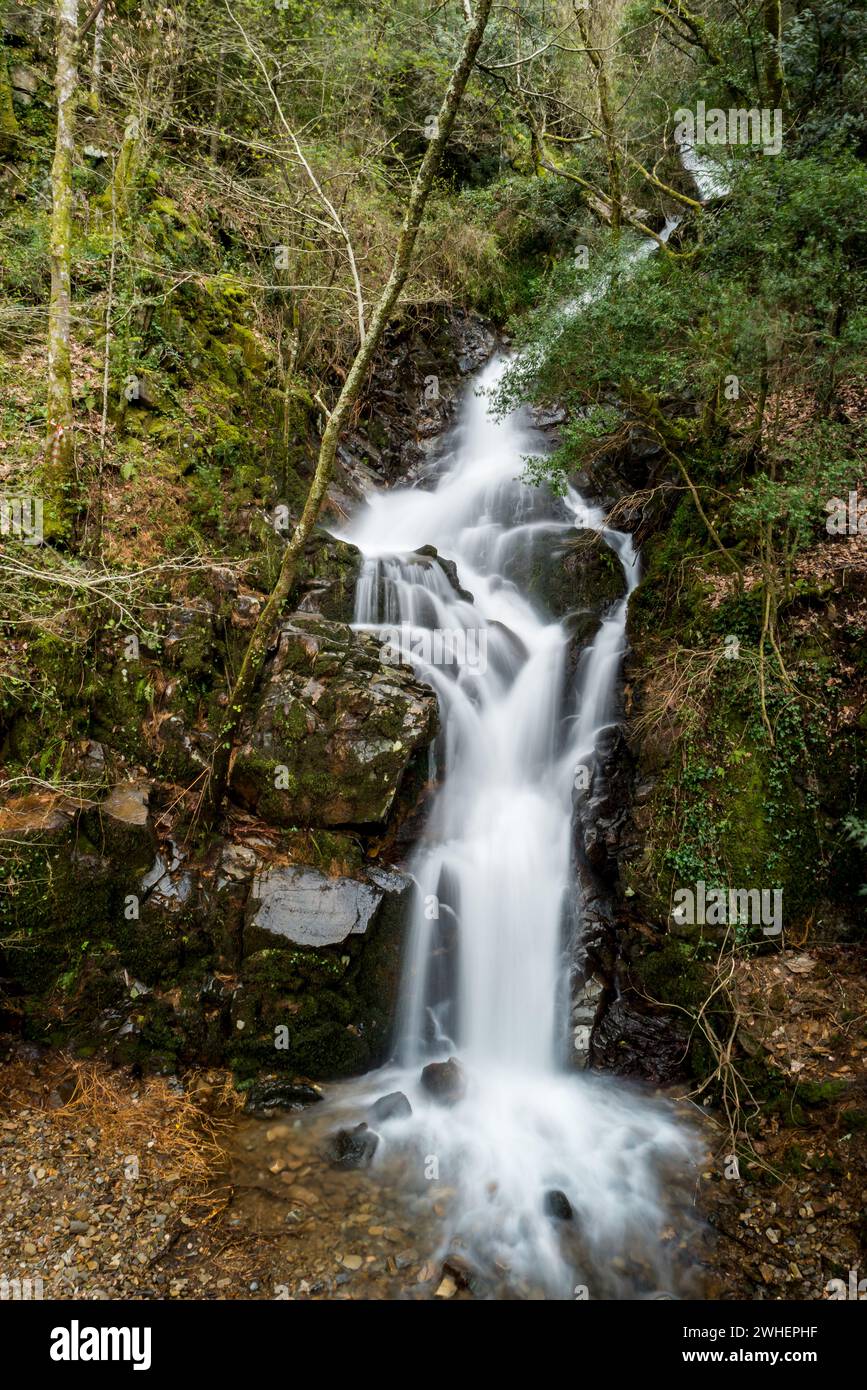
x=606, y=121
x=8, y=121
x=773, y=60
x=96, y=60
x=59, y=442
x=257, y=648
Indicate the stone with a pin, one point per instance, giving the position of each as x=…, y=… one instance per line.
x=353, y=1148
x=24, y=80
x=566, y=571
x=557, y=1205
x=457, y=1267
x=334, y=732
x=444, y=1081
x=302, y=907
x=637, y=1044
x=394, y=1106
x=271, y=1094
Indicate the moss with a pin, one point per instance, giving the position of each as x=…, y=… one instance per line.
x=673, y=974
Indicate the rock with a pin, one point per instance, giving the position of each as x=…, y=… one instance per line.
x=566, y=571
x=603, y=812
x=457, y=1267
x=546, y=417
x=22, y=21
x=328, y=576
x=271, y=1094
x=304, y=908
x=642, y=1045
x=335, y=730
x=119, y=828
x=24, y=81
x=557, y=1205
x=448, y=567
x=447, y=1288
x=394, y=1106
x=353, y=1148
x=444, y=1081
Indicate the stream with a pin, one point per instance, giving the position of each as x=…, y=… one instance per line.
x=552, y=1173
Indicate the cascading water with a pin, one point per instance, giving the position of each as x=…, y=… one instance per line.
x=495, y=880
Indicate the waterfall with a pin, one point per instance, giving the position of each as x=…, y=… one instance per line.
x=496, y=891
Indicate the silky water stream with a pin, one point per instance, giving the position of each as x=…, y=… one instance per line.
x=496, y=901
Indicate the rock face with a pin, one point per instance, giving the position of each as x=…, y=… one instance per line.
x=156, y=955
x=301, y=907
x=645, y=1046
x=334, y=732
x=568, y=574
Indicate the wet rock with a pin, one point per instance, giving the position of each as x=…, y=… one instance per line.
x=642, y=1045
x=353, y=1148
x=448, y=567
x=444, y=1081
x=603, y=812
x=271, y=1094
x=557, y=1205
x=394, y=1106
x=566, y=571
x=335, y=730
x=457, y=1267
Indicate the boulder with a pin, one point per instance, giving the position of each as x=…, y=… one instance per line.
x=630, y=1042
x=567, y=573
x=444, y=1081
x=353, y=1148
x=334, y=732
x=301, y=907
x=394, y=1106
x=557, y=1205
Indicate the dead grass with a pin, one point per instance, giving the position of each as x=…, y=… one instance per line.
x=177, y=1136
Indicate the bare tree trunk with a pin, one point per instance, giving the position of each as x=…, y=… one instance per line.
x=218, y=105
x=606, y=120
x=8, y=121
x=96, y=60
x=59, y=442
x=773, y=59
x=257, y=648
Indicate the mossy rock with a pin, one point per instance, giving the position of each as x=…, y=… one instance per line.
x=334, y=732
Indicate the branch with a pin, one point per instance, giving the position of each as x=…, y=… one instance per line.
x=323, y=198
x=91, y=19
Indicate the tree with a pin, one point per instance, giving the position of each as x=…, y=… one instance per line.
x=59, y=432
x=8, y=122
x=257, y=647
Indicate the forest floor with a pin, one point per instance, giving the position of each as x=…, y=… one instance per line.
x=118, y=1187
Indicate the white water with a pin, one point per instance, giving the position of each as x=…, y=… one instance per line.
x=496, y=892
x=711, y=177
